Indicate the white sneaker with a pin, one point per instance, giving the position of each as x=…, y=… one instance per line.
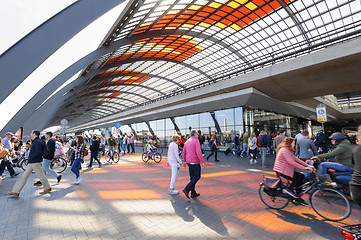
x=251, y=162
x=74, y=183
x=79, y=180
x=173, y=192
x=255, y=161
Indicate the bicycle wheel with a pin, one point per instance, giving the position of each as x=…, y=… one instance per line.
x=145, y=157
x=160, y=150
x=157, y=157
x=58, y=164
x=108, y=156
x=24, y=164
x=274, y=202
x=116, y=157
x=330, y=204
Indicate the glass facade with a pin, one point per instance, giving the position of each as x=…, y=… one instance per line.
x=230, y=122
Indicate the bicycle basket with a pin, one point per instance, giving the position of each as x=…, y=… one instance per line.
x=272, y=186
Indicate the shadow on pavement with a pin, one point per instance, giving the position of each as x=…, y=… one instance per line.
x=188, y=210
x=55, y=195
x=319, y=227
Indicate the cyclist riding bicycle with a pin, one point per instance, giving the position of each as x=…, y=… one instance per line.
x=343, y=154
x=112, y=143
x=149, y=147
x=285, y=165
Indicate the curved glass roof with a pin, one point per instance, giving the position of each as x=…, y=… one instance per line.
x=170, y=46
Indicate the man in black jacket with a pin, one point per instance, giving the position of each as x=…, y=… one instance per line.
x=94, y=151
x=34, y=164
x=47, y=159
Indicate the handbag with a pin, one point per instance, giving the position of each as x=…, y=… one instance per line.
x=250, y=143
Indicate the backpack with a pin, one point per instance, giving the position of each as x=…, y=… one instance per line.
x=210, y=143
x=250, y=143
x=45, y=152
x=261, y=141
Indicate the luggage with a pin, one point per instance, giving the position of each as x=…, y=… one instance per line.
x=227, y=151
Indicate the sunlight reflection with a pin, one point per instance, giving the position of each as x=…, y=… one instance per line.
x=129, y=194
x=218, y=174
x=144, y=206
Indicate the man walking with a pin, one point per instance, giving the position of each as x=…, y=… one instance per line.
x=6, y=162
x=34, y=164
x=264, y=144
x=131, y=142
x=305, y=147
x=47, y=159
x=279, y=138
x=94, y=151
x=192, y=156
x=238, y=144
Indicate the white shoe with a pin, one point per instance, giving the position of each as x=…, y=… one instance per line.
x=173, y=192
x=79, y=180
x=74, y=183
x=255, y=161
x=251, y=162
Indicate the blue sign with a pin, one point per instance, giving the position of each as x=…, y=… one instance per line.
x=118, y=125
x=321, y=111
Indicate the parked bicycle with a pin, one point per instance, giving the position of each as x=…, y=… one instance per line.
x=112, y=155
x=327, y=202
x=152, y=155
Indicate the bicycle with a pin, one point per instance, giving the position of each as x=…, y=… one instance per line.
x=112, y=155
x=59, y=164
x=153, y=155
x=329, y=203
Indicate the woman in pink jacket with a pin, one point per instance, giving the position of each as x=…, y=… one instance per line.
x=286, y=163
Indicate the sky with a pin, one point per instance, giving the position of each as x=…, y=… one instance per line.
x=18, y=18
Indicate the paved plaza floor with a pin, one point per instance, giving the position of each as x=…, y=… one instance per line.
x=130, y=200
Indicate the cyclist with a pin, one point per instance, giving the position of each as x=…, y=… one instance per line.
x=286, y=163
x=149, y=147
x=343, y=154
x=355, y=184
x=112, y=143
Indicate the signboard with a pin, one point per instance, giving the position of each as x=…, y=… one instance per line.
x=64, y=122
x=117, y=130
x=321, y=113
x=118, y=125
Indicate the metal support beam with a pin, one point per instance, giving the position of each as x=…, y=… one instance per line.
x=19, y=61
x=218, y=128
x=176, y=128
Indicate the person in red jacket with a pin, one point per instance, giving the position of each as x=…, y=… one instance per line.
x=285, y=165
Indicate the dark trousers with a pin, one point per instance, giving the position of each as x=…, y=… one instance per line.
x=213, y=151
x=128, y=148
x=297, y=180
x=195, y=175
x=8, y=165
x=356, y=194
x=94, y=155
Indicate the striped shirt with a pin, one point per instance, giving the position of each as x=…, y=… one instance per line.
x=79, y=152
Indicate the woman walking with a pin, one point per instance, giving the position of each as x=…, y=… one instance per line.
x=214, y=145
x=79, y=157
x=252, y=148
x=174, y=161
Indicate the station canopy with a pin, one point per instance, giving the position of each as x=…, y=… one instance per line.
x=168, y=47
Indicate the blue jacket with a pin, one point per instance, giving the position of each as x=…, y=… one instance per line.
x=36, y=151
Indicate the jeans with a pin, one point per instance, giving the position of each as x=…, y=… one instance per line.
x=356, y=194
x=76, y=166
x=132, y=146
x=245, y=149
x=103, y=147
x=8, y=164
x=238, y=149
x=335, y=166
x=36, y=167
x=174, y=174
x=263, y=152
x=124, y=147
x=94, y=155
x=46, y=168
x=195, y=175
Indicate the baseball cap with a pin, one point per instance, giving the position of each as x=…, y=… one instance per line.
x=9, y=133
